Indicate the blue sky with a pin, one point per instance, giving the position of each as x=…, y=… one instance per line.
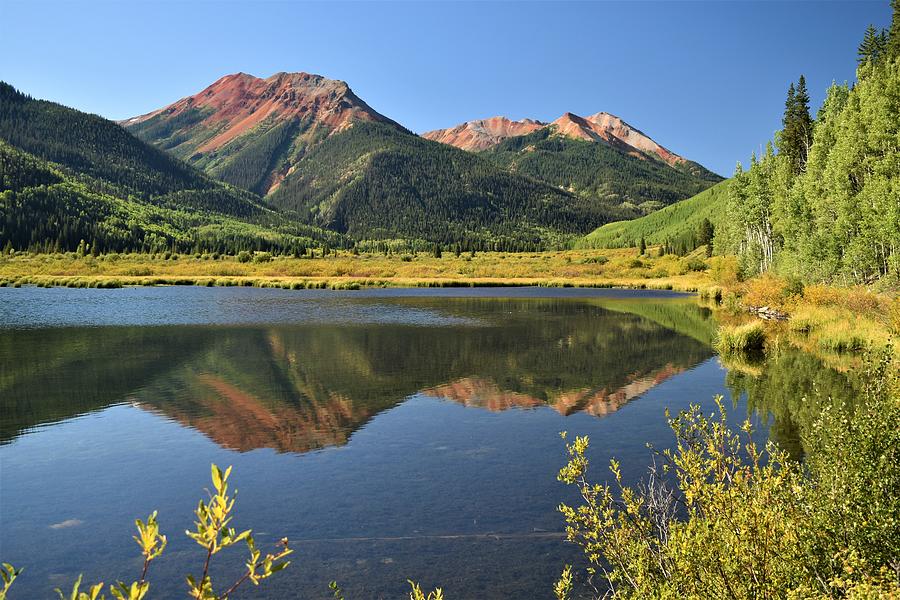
x=706, y=79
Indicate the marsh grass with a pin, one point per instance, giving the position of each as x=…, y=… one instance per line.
x=837, y=329
x=712, y=293
x=748, y=338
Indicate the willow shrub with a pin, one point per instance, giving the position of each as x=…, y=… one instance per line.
x=854, y=462
x=721, y=517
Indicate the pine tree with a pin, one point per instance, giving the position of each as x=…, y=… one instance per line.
x=892, y=49
x=804, y=121
x=789, y=105
x=705, y=233
x=883, y=43
x=796, y=136
x=870, y=48
x=643, y=245
x=787, y=143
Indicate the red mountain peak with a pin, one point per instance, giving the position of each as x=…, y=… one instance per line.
x=237, y=103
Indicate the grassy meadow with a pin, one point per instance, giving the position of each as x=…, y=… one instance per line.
x=588, y=268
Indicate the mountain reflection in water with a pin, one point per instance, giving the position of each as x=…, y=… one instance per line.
x=295, y=388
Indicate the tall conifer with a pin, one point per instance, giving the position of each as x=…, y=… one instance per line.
x=796, y=136
x=869, y=49
x=893, y=38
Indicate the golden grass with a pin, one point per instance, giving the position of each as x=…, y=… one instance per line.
x=577, y=268
x=857, y=299
x=746, y=338
x=838, y=329
x=837, y=324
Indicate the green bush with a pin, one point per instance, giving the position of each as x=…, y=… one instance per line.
x=595, y=260
x=854, y=456
x=696, y=264
x=721, y=517
x=243, y=256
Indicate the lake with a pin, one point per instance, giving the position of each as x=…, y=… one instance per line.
x=390, y=434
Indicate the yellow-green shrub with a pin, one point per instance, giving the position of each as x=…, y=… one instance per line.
x=720, y=517
x=724, y=270
x=212, y=533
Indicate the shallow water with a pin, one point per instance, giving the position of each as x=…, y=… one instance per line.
x=390, y=434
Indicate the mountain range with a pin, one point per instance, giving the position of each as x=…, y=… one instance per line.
x=301, y=157
x=482, y=134
x=602, y=127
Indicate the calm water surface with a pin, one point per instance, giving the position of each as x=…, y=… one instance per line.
x=390, y=434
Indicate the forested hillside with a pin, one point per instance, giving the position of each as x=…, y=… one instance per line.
x=637, y=184
x=677, y=226
x=823, y=202
x=373, y=181
x=74, y=181
x=91, y=145
x=311, y=146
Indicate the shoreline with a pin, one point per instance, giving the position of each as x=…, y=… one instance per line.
x=840, y=323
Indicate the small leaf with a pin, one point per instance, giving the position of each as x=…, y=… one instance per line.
x=216, y=477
